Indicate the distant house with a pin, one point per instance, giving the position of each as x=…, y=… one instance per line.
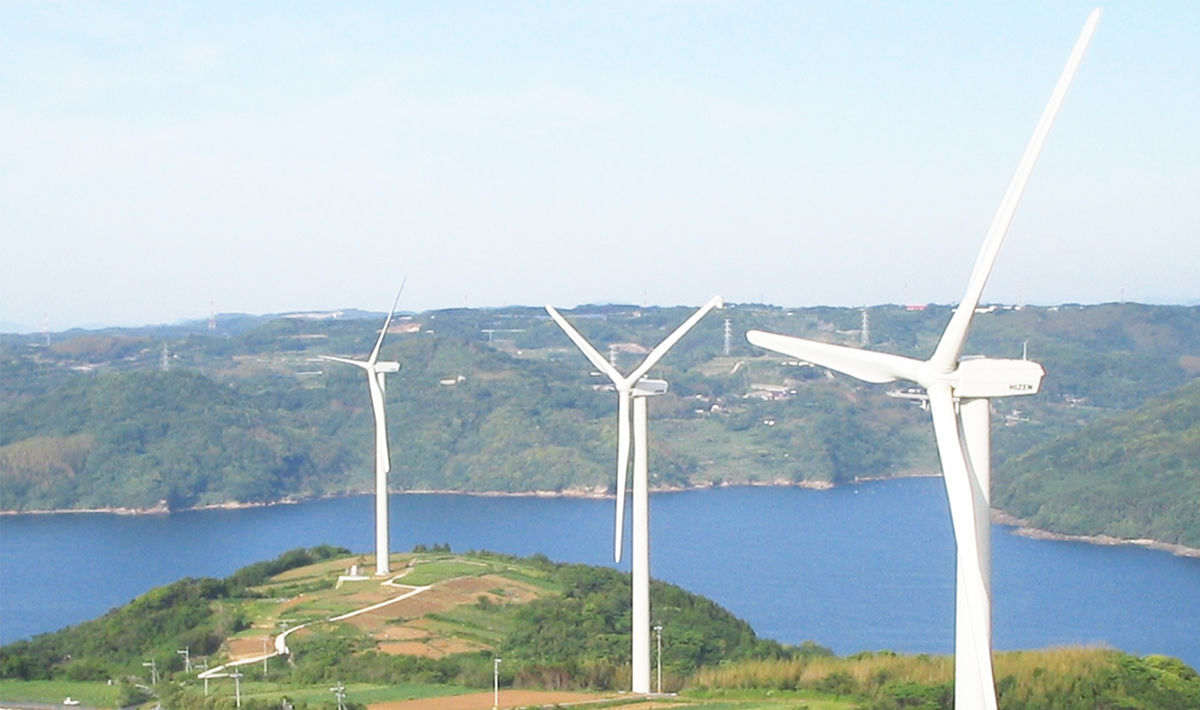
x=630, y=348
x=769, y=392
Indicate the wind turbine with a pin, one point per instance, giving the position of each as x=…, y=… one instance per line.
x=959, y=398
x=376, y=372
x=632, y=392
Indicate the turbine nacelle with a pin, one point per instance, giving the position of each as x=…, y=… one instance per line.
x=647, y=387
x=382, y=367
x=973, y=378
x=995, y=377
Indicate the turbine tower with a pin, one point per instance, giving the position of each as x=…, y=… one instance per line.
x=376, y=372
x=632, y=392
x=959, y=397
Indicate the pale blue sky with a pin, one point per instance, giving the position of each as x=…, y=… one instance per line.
x=261, y=157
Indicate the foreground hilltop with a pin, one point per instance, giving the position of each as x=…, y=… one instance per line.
x=498, y=400
x=295, y=626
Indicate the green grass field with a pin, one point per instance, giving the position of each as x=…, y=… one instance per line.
x=429, y=572
x=365, y=693
x=91, y=693
x=765, y=700
x=101, y=695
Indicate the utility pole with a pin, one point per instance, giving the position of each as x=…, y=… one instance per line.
x=187, y=659
x=339, y=691
x=495, y=684
x=237, y=687
x=153, y=666
x=658, y=637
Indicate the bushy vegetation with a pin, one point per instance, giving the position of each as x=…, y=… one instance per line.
x=1063, y=679
x=341, y=653
x=581, y=637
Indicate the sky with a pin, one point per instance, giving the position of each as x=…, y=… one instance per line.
x=161, y=161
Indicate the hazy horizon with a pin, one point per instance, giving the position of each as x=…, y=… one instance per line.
x=163, y=162
x=7, y=328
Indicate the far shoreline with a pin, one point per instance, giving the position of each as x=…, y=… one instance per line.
x=1019, y=526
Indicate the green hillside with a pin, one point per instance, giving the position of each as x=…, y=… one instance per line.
x=500, y=400
x=566, y=622
x=1133, y=475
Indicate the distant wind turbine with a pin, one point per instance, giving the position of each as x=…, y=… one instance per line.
x=632, y=392
x=959, y=397
x=376, y=372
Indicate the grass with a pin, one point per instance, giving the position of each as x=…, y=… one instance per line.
x=430, y=572
x=366, y=693
x=767, y=700
x=92, y=693
x=517, y=575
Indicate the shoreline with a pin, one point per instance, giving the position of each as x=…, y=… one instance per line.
x=1024, y=529
x=1020, y=526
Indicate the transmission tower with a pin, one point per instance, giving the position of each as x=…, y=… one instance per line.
x=728, y=335
x=865, y=336
x=166, y=361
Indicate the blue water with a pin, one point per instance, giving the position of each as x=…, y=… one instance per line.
x=855, y=568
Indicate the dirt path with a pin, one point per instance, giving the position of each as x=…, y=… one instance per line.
x=483, y=701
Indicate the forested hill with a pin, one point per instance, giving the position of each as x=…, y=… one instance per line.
x=500, y=400
x=1135, y=474
x=568, y=622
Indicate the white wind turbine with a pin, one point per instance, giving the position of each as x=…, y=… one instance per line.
x=959, y=393
x=632, y=392
x=376, y=372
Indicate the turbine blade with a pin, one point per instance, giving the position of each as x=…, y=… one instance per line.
x=386, y=323
x=945, y=357
x=592, y=354
x=348, y=361
x=959, y=491
x=657, y=353
x=866, y=365
x=623, y=437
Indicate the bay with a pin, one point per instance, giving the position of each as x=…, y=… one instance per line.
x=862, y=567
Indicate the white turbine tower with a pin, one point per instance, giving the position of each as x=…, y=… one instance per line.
x=376, y=372
x=632, y=392
x=959, y=393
